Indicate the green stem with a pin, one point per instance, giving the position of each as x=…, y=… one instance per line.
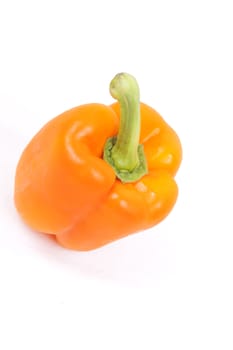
x=125, y=89
x=123, y=152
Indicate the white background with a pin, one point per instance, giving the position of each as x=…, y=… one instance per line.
x=170, y=287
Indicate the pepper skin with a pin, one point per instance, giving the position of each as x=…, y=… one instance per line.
x=64, y=187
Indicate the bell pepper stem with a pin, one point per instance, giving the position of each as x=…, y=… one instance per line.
x=123, y=151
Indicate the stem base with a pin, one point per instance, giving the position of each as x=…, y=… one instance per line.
x=125, y=175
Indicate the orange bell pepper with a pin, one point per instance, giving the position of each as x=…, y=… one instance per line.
x=97, y=173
